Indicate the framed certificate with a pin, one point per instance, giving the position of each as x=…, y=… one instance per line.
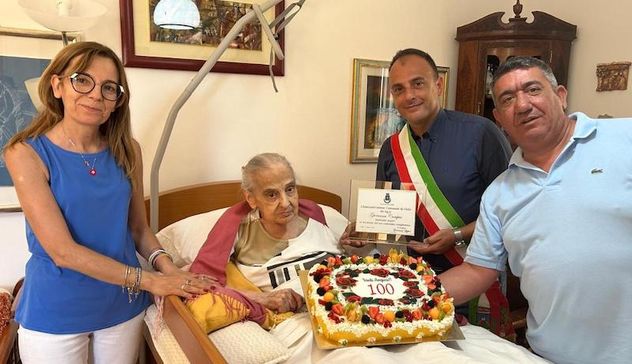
x=381, y=213
x=386, y=211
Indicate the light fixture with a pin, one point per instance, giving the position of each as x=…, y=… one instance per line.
x=176, y=14
x=64, y=15
x=31, y=89
x=270, y=30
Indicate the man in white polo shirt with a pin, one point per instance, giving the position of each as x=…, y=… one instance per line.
x=562, y=216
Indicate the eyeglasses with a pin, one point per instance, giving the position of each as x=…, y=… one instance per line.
x=83, y=83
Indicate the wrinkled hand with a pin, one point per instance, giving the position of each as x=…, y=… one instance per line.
x=437, y=243
x=182, y=283
x=279, y=301
x=348, y=234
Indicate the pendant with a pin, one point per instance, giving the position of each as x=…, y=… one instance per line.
x=93, y=172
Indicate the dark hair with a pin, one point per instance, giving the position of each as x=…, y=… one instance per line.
x=418, y=53
x=524, y=63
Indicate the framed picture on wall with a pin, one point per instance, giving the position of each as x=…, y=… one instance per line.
x=24, y=54
x=373, y=115
x=147, y=45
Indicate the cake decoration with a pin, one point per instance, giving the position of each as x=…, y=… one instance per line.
x=377, y=299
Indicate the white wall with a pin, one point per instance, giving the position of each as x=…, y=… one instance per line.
x=231, y=117
x=13, y=252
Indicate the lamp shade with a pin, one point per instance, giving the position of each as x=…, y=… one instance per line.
x=176, y=14
x=64, y=15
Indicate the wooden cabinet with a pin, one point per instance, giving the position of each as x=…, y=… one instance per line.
x=485, y=43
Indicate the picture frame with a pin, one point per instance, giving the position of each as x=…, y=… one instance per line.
x=140, y=51
x=24, y=54
x=373, y=115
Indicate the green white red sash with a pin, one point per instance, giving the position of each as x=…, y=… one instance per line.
x=433, y=208
x=436, y=213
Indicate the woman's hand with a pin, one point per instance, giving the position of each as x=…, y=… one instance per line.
x=179, y=283
x=283, y=300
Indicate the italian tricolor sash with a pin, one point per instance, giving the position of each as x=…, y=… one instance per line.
x=436, y=213
x=433, y=208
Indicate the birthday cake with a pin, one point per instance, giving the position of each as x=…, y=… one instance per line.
x=377, y=299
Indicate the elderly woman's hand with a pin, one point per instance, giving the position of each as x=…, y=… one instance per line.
x=283, y=300
x=179, y=283
x=351, y=237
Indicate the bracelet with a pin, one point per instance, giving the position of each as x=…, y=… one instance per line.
x=155, y=254
x=128, y=270
x=132, y=285
x=135, y=289
x=458, y=234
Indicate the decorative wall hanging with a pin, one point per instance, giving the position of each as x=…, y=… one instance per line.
x=612, y=76
x=24, y=54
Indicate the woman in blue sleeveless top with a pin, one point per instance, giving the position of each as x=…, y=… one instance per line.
x=78, y=175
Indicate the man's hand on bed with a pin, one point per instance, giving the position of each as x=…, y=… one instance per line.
x=179, y=283
x=283, y=300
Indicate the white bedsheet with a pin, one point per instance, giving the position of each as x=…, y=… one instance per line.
x=479, y=346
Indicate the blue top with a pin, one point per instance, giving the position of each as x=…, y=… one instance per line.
x=465, y=153
x=567, y=235
x=62, y=301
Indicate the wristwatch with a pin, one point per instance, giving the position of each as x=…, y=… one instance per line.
x=459, y=237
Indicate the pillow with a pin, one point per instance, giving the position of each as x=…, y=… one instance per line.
x=242, y=342
x=246, y=342
x=183, y=239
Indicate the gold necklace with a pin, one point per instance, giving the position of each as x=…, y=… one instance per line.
x=91, y=167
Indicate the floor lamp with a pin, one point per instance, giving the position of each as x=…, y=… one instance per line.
x=268, y=29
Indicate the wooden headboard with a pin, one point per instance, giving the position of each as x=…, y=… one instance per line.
x=183, y=202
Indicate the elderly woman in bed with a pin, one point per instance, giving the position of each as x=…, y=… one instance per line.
x=267, y=237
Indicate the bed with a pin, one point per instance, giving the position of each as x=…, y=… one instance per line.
x=178, y=204
x=186, y=341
